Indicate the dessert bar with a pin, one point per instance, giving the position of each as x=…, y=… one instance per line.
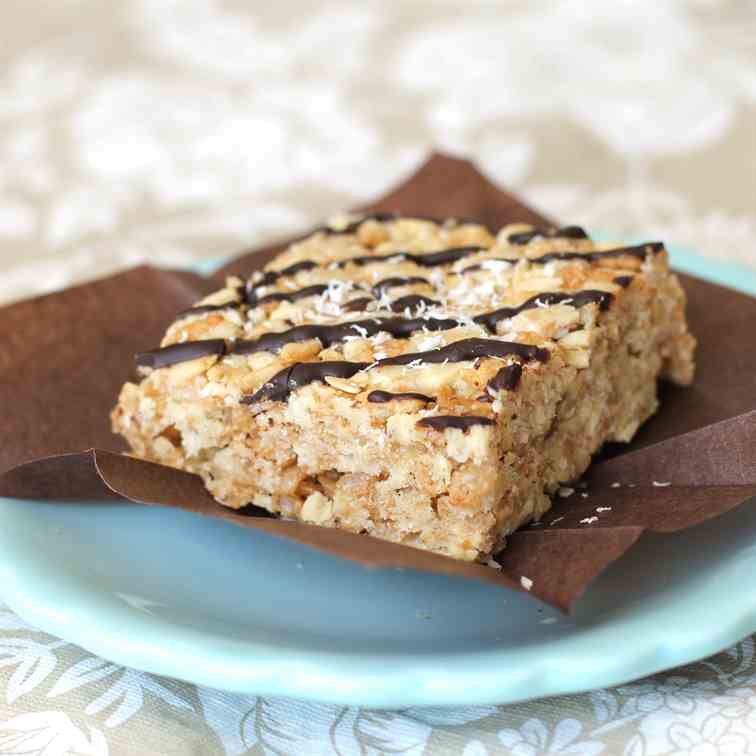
x=430, y=382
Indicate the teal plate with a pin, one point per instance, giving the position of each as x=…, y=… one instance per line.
x=201, y=600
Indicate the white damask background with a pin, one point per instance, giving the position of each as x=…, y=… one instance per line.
x=181, y=130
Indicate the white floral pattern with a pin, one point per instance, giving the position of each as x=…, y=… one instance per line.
x=706, y=709
x=49, y=733
x=638, y=70
x=175, y=131
x=534, y=738
x=210, y=125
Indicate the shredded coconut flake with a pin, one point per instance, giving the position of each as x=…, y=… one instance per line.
x=589, y=520
x=526, y=583
x=566, y=491
x=432, y=342
x=662, y=484
x=414, y=364
x=436, y=277
x=616, y=485
x=495, y=266
x=603, y=509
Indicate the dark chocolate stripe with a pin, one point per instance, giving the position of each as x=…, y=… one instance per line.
x=301, y=374
x=175, y=353
x=427, y=260
x=400, y=327
x=381, y=397
x=567, y=232
x=424, y=260
x=479, y=266
x=578, y=299
x=395, y=281
x=293, y=296
x=271, y=276
x=296, y=267
x=334, y=334
x=446, y=256
x=202, y=309
x=623, y=281
x=354, y=225
x=507, y=378
x=387, y=217
x=357, y=305
x=470, y=349
x=442, y=422
x=413, y=302
x=640, y=251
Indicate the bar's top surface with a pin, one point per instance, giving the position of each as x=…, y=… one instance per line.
x=368, y=304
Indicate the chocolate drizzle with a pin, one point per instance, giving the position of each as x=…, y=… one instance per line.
x=175, y=353
x=354, y=225
x=381, y=397
x=398, y=327
x=442, y=422
x=446, y=256
x=578, y=299
x=334, y=334
x=413, y=303
x=271, y=276
x=203, y=309
x=293, y=296
x=388, y=217
x=470, y=349
x=357, y=305
x=566, y=232
x=478, y=266
x=395, y=281
x=507, y=379
x=405, y=327
x=300, y=374
x=424, y=260
x=640, y=251
x=623, y=281
x=427, y=260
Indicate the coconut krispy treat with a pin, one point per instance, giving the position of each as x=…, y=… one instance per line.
x=429, y=383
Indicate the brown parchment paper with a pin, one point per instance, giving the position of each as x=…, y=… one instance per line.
x=64, y=357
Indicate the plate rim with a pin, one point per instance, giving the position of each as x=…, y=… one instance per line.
x=467, y=678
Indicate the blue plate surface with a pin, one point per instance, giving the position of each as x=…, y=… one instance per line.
x=202, y=600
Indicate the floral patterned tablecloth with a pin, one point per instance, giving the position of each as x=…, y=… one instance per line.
x=180, y=130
